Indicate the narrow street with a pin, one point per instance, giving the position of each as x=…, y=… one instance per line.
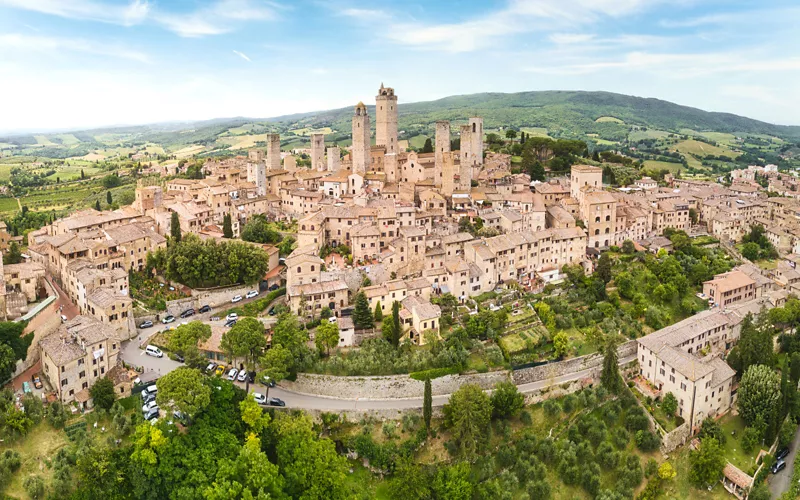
x=779, y=483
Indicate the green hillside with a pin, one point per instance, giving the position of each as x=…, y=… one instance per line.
x=602, y=118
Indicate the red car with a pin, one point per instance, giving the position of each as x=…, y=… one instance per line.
x=36, y=381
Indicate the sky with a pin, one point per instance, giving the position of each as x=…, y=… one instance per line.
x=72, y=64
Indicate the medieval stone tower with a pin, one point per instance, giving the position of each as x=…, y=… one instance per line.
x=334, y=160
x=361, y=142
x=448, y=173
x=255, y=155
x=273, y=152
x=257, y=174
x=466, y=154
x=386, y=119
x=476, y=148
x=442, y=146
x=318, y=152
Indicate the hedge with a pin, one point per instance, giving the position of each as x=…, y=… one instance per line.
x=434, y=373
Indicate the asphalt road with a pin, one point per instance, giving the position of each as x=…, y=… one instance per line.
x=133, y=355
x=779, y=483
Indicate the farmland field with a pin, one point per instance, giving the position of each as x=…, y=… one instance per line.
x=42, y=140
x=188, y=151
x=68, y=139
x=702, y=149
x=72, y=172
x=242, y=141
x=308, y=131
x=418, y=141
x=535, y=131
x=8, y=205
x=612, y=119
x=639, y=135
x=658, y=165
x=5, y=172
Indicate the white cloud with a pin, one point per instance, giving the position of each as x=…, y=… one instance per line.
x=126, y=15
x=519, y=16
x=759, y=93
x=675, y=66
x=216, y=18
x=242, y=55
x=19, y=42
x=319, y=71
x=570, y=38
x=365, y=14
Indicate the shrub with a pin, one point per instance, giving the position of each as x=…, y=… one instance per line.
x=647, y=441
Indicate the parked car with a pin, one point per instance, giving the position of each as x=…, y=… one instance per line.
x=267, y=381
x=778, y=466
x=232, y=374
x=205, y=309
x=178, y=357
x=242, y=376
x=180, y=417
x=168, y=319
x=272, y=311
x=37, y=382
x=26, y=387
x=231, y=316
x=220, y=370
x=149, y=406
x=251, y=294
x=154, y=351
x=211, y=367
x=187, y=313
x=229, y=324
x=148, y=397
x=146, y=324
x=251, y=377
x=152, y=414
x=274, y=287
x=276, y=402
x=260, y=399
x=235, y=299
x=782, y=453
x=332, y=319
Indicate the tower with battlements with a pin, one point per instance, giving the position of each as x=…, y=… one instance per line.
x=442, y=146
x=386, y=119
x=273, y=152
x=466, y=156
x=361, y=142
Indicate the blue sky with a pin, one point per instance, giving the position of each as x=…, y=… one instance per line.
x=84, y=63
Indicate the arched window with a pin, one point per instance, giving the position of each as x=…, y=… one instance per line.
x=298, y=269
x=596, y=232
x=312, y=267
x=607, y=230
x=608, y=218
x=304, y=227
x=597, y=219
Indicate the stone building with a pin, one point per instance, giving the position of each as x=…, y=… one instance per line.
x=361, y=140
x=82, y=351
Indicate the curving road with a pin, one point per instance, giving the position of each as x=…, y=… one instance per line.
x=132, y=354
x=779, y=483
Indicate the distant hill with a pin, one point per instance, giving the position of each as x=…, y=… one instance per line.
x=563, y=113
x=599, y=117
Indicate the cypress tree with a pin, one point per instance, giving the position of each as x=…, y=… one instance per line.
x=175, y=227
x=362, y=316
x=396, y=329
x=378, y=316
x=227, y=226
x=97, y=205
x=427, y=405
x=610, y=378
x=108, y=197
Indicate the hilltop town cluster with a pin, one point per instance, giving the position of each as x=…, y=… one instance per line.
x=399, y=212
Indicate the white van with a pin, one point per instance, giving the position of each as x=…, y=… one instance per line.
x=152, y=350
x=150, y=390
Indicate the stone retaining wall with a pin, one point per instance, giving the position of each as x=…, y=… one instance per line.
x=676, y=437
x=387, y=387
x=561, y=368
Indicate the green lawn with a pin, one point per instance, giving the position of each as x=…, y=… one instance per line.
x=733, y=428
x=680, y=487
x=8, y=205
x=41, y=443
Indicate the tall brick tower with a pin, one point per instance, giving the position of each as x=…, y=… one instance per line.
x=318, y=152
x=361, y=142
x=273, y=152
x=476, y=149
x=442, y=146
x=386, y=119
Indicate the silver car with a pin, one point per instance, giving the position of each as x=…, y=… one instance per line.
x=232, y=374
